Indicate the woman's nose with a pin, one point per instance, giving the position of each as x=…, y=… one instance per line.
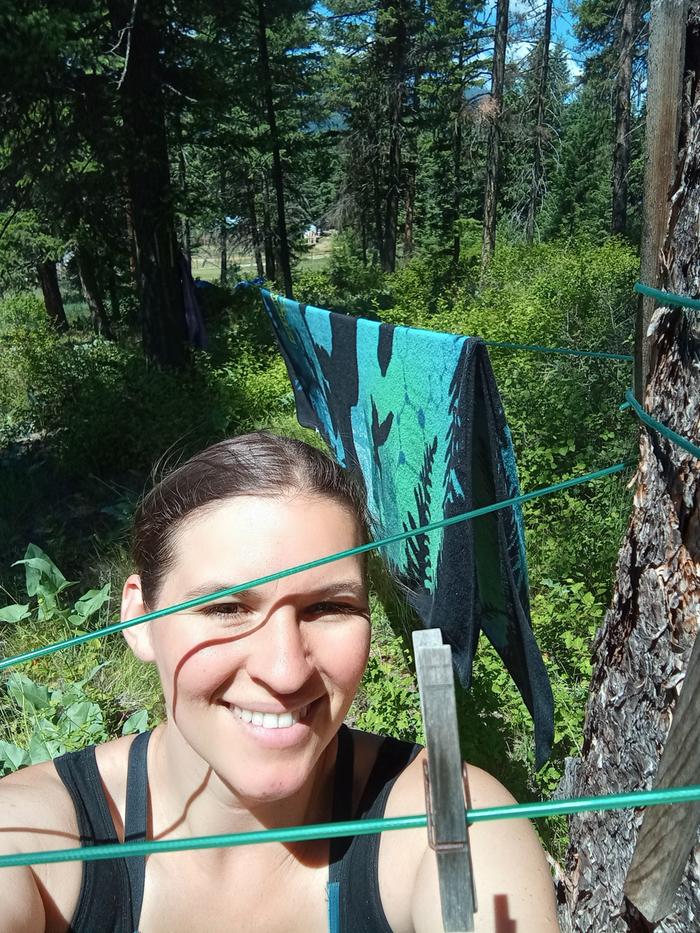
x=280, y=656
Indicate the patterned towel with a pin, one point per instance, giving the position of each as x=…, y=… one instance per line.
x=419, y=414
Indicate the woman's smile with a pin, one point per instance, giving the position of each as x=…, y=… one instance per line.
x=274, y=730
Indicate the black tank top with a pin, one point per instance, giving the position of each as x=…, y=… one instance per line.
x=111, y=892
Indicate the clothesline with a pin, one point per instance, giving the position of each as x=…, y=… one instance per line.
x=361, y=549
x=318, y=831
x=288, y=834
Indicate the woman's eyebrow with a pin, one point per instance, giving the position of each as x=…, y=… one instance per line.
x=339, y=588
x=214, y=586
x=336, y=588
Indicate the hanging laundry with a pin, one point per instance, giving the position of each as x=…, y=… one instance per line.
x=418, y=413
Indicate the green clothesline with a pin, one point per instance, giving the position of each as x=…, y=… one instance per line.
x=658, y=426
x=291, y=834
x=667, y=298
x=261, y=581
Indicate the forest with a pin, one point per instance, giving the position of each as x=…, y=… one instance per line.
x=455, y=165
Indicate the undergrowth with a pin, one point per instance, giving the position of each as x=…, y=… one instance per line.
x=90, y=417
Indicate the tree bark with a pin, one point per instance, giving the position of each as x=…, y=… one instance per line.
x=48, y=277
x=623, y=90
x=642, y=650
x=277, y=173
x=542, y=87
x=93, y=295
x=493, y=153
x=148, y=174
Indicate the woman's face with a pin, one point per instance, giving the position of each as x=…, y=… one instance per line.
x=258, y=683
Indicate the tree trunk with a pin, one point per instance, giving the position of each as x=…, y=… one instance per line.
x=113, y=288
x=268, y=238
x=254, y=230
x=410, y=210
x=185, y=234
x=542, y=88
x=223, y=227
x=393, y=46
x=91, y=290
x=223, y=253
x=378, y=220
x=493, y=150
x=457, y=184
x=148, y=173
x=48, y=277
x=623, y=90
x=391, y=217
x=277, y=173
x=642, y=650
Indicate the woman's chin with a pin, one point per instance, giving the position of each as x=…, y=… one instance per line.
x=261, y=789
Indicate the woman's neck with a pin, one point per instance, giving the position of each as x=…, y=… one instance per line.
x=189, y=799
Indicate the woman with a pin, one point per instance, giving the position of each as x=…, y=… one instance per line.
x=256, y=687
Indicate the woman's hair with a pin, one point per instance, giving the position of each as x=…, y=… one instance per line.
x=258, y=464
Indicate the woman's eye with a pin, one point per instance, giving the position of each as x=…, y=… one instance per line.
x=333, y=609
x=225, y=610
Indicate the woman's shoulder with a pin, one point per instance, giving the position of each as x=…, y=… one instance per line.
x=509, y=864
x=36, y=802
x=37, y=813
x=34, y=797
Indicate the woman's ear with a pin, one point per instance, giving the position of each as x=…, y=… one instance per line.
x=138, y=637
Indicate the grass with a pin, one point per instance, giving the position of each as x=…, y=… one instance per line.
x=206, y=263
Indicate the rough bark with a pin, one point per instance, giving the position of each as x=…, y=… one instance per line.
x=148, y=179
x=642, y=650
x=92, y=292
x=48, y=278
x=623, y=88
x=542, y=83
x=277, y=173
x=493, y=152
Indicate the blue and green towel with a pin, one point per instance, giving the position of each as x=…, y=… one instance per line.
x=418, y=413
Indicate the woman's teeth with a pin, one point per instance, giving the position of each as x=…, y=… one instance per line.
x=270, y=720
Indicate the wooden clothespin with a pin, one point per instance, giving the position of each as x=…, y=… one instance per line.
x=446, y=791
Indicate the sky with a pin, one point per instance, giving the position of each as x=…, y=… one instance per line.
x=562, y=30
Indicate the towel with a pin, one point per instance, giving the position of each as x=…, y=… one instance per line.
x=417, y=413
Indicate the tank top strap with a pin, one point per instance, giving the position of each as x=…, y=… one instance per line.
x=136, y=818
x=354, y=891
x=104, y=888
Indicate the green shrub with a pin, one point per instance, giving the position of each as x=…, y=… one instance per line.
x=68, y=702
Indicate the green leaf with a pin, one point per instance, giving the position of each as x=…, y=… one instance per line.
x=83, y=715
x=137, y=722
x=42, y=747
x=91, y=602
x=12, y=756
x=14, y=613
x=42, y=576
x=25, y=692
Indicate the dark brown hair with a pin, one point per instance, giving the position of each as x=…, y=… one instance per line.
x=258, y=464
